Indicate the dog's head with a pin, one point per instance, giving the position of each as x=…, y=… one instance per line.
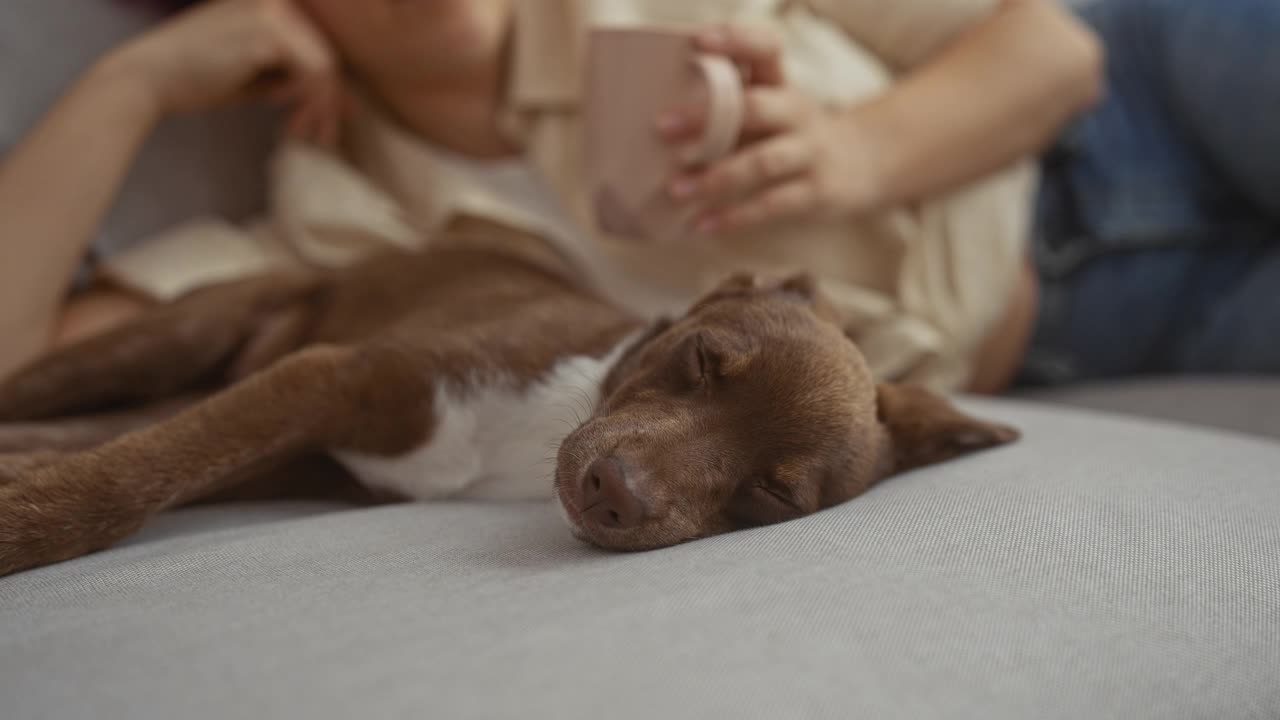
x=752, y=409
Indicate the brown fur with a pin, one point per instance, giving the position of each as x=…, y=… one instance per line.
x=751, y=409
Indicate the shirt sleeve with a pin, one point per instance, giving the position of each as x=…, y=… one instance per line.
x=197, y=253
x=323, y=214
x=903, y=33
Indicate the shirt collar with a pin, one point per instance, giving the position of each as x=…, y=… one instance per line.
x=548, y=45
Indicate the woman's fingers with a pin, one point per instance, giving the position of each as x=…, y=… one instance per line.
x=757, y=48
x=789, y=199
x=302, y=47
x=283, y=94
x=769, y=110
x=331, y=123
x=300, y=123
x=766, y=111
x=774, y=172
x=317, y=117
x=312, y=86
x=765, y=162
x=316, y=107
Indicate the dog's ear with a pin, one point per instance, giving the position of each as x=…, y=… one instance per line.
x=924, y=428
x=626, y=362
x=800, y=286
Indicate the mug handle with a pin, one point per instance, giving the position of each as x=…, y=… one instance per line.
x=726, y=111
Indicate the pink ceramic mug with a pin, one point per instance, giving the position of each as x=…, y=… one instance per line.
x=633, y=75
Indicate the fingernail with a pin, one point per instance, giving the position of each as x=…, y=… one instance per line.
x=671, y=122
x=712, y=38
x=683, y=188
x=690, y=155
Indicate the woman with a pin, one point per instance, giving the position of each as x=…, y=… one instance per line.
x=882, y=164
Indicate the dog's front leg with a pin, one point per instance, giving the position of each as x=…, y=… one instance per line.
x=217, y=334
x=321, y=397
x=83, y=432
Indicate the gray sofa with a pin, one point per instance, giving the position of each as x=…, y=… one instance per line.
x=1104, y=567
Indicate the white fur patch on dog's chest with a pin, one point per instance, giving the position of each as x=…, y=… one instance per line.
x=493, y=440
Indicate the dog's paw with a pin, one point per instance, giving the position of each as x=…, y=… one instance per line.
x=48, y=515
x=27, y=528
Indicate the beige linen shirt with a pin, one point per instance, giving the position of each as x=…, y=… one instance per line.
x=918, y=286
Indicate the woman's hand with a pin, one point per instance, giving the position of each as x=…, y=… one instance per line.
x=796, y=157
x=60, y=180
x=225, y=51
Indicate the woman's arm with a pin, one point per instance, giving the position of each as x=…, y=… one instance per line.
x=997, y=92
x=58, y=183
x=54, y=189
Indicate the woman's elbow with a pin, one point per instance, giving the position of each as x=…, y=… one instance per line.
x=1081, y=62
x=1088, y=63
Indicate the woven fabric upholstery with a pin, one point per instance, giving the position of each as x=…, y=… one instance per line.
x=1101, y=568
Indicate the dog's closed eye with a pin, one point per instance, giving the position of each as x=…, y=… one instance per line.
x=701, y=360
x=775, y=492
x=763, y=501
x=696, y=363
x=707, y=356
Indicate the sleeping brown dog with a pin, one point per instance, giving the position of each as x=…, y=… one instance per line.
x=465, y=371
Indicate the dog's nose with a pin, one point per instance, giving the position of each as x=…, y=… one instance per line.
x=606, y=499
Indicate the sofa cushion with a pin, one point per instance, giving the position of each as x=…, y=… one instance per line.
x=1243, y=404
x=1101, y=567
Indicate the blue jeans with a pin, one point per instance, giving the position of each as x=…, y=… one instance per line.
x=1157, y=233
